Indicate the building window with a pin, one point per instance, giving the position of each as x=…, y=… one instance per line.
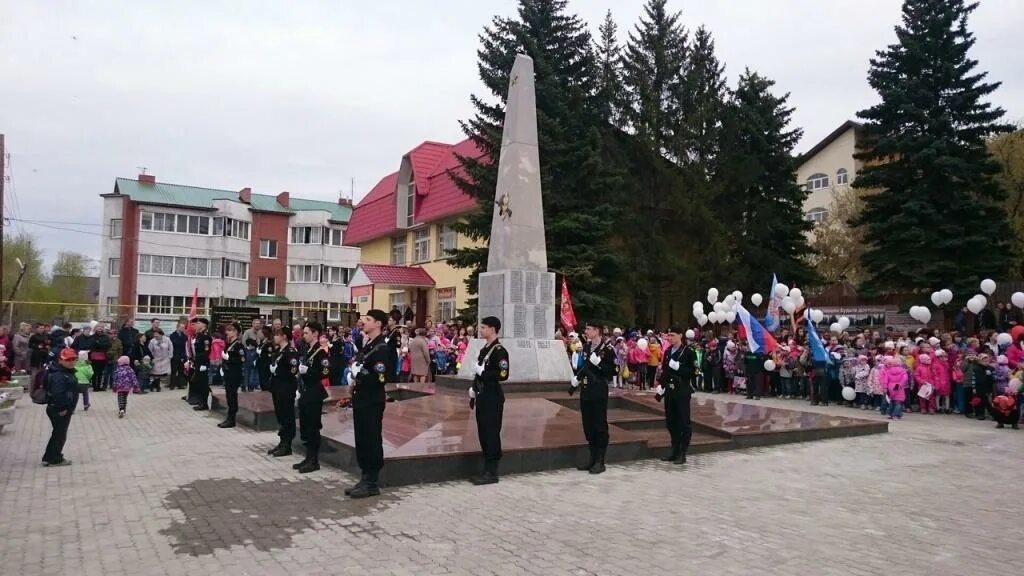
x=149, y=304
x=235, y=269
x=445, y=304
x=268, y=286
x=398, y=251
x=337, y=275
x=305, y=310
x=112, y=307
x=422, y=246
x=175, y=266
x=233, y=302
x=333, y=311
x=268, y=248
x=447, y=240
x=396, y=299
x=842, y=177
x=114, y=267
x=306, y=234
x=817, y=182
x=230, y=227
x=410, y=201
x=332, y=236
x=178, y=223
x=817, y=215
x=304, y=273
x=116, y=227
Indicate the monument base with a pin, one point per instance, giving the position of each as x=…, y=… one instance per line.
x=529, y=360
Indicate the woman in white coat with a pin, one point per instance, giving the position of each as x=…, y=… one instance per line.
x=161, y=350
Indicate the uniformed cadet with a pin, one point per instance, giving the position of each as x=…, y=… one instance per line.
x=199, y=383
x=489, y=399
x=372, y=368
x=313, y=370
x=677, y=371
x=284, y=374
x=234, y=360
x=592, y=380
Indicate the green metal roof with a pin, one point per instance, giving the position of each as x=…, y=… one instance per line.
x=203, y=198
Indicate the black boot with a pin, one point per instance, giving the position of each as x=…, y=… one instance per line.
x=285, y=449
x=590, y=463
x=371, y=487
x=681, y=459
x=490, y=475
x=598, y=466
x=300, y=463
x=275, y=449
x=229, y=423
x=362, y=480
x=311, y=465
x=674, y=454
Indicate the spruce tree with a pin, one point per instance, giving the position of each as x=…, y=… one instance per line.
x=933, y=214
x=701, y=96
x=578, y=184
x=764, y=204
x=609, y=61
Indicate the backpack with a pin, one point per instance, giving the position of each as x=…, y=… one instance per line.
x=37, y=391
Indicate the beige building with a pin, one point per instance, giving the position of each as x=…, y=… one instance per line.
x=827, y=168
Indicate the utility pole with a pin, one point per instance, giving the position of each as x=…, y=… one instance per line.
x=3, y=178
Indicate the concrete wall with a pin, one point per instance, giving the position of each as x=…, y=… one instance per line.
x=838, y=154
x=113, y=208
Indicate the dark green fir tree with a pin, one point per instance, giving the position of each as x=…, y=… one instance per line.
x=933, y=213
x=578, y=185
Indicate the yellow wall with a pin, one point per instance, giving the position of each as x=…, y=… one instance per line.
x=838, y=154
x=378, y=251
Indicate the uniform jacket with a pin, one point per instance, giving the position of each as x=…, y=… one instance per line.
x=318, y=363
x=594, y=380
x=377, y=361
x=236, y=360
x=678, y=380
x=201, y=350
x=283, y=364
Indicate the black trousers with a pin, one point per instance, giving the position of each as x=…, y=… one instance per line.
x=310, y=423
x=98, y=368
x=55, y=447
x=490, y=406
x=594, y=410
x=368, y=421
x=263, y=371
x=199, y=387
x=177, y=379
x=232, y=382
x=284, y=411
x=820, y=383
x=754, y=384
x=677, y=419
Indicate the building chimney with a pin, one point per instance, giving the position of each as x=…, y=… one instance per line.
x=345, y=202
x=245, y=195
x=147, y=179
x=282, y=199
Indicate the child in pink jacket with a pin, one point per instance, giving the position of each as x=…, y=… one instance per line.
x=894, y=381
x=941, y=371
x=924, y=377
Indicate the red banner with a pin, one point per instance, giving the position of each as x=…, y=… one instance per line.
x=568, y=316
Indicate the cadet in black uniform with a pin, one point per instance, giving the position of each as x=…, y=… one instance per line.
x=313, y=369
x=372, y=368
x=592, y=380
x=199, y=386
x=284, y=372
x=677, y=370
x=234, y=360
x=489, y=399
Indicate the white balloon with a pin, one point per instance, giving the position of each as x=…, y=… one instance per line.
x=988, y=286
x=937, y=298
x=1017, y=299
x=713, y=317
x=836, y=328
x=642, y=343
x=702, y=320
x=698, y=305
x=712, y=295
x=738, y=296
x=769, y=365
x=947, y=295
x=934, y=341
x=756, y=299
x=1004, y=339
x=729, y=301
x=795, y=293
x=730, y=316
x=844, y=322
x=788, y=305
x=799, y=302
x=817, y=316
x=974, y=306
x=697, y=313
x=982, y=299
x=719, y=307
x=781, y=290
x=913, y=312
x=924, y=315
x=849, y=394
x=690, y=335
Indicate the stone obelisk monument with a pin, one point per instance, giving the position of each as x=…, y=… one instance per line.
x=517, y=287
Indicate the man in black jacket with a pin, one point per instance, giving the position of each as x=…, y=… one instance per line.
x=62, y=398
x=592, y=380
x=313, y=370
x=199, y=387
x=233, y=359
x=677, y=370
x=488, y=399
x=178, y=356
x=374, y=365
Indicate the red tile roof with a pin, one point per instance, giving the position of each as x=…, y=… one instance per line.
x=437, y=196
x=397, y=275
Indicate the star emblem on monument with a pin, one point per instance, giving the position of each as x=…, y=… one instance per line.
x=504, y=207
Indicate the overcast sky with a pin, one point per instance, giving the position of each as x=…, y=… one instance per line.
x=307, y=95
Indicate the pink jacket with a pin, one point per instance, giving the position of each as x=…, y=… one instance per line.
x=923, y=374
x=1015, y=355
x=941, y=373
x=894, y=382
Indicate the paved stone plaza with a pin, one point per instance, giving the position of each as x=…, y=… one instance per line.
x=166, y=492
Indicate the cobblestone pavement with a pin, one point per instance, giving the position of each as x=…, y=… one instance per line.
x=166, y=492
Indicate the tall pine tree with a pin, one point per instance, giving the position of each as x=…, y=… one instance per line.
x=609, y=61
x=701, y=96
x=933, y=213
x=764, y=207
x=578, y=185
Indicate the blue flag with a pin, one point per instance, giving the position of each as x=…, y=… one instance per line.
x=818, y=351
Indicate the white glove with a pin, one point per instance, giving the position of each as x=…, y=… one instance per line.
x=351, y=378
x=575, y=382
x=673, y=364
x=479, y=369
x=595, y=359
x=224, y=355
x=472, y=393
x=837, y=355
x=303, y=368
x=202, y=368
x=659, y=390
x=273, y=368
x=356, y=368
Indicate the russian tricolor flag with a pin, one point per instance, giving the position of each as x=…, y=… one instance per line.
x=759, y=339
